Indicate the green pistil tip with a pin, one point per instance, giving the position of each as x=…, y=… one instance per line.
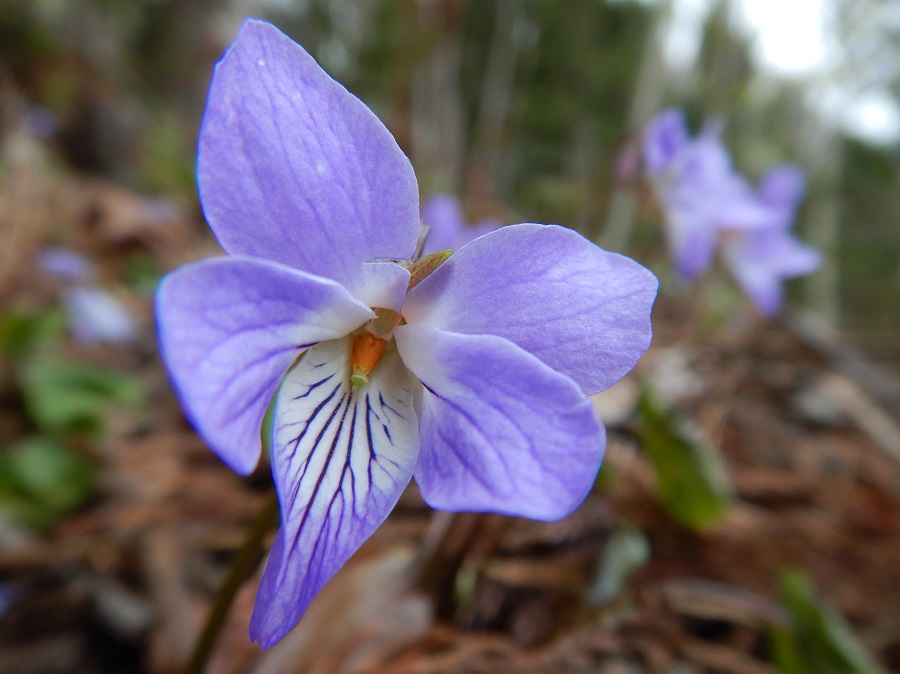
x=359, y=378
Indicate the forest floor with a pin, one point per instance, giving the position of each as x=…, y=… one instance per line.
x=804, y=433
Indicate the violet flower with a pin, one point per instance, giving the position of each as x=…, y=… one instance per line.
x=448, y=227
x=698, y=189
x=66, y=265
x=470, y=373
x=94, y=315
x=762, y=258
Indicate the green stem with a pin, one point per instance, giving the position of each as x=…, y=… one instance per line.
x=244, y=561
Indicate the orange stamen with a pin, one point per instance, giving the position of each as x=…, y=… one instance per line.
x=367, y=351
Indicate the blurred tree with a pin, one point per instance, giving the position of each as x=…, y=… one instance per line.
x=518, y=105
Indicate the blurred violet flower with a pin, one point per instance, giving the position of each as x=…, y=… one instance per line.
x=470, y=372
x=698, y=190
x=762, y=258
x=66, y=265
x=94, y=315
x=706, y=202
x=449, y=229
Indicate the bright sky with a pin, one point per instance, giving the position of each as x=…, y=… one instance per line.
x=791, y=37
x=789, y=33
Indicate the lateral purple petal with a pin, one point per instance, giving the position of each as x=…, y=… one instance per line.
x=295, y=169
x=341, y=459
x=583, y=311
x=229, y=328
x=500, y=430
x=761, y=260
x=782, y=186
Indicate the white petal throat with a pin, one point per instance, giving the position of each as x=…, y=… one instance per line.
x=341, y=458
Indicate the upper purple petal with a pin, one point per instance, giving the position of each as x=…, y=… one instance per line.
x=293, y=168
x=229, y=328
x=665, y=136
x=382, y=284
x=584, y=311
x=340, y=458
x=501, y=431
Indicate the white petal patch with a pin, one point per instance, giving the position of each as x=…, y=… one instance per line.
x=341, y=459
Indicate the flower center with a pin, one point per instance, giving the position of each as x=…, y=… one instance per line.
x=370, y=344
x=376, y=336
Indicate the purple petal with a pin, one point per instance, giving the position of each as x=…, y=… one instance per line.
x=341, y=459
x=501, y=431
x=449, y=229
x=229, y=328
x=583, y=311
x=692, y=237
x=295, y=169
x=480, y=228
x=383, y=284
x=761, y=286
x=782, y=186
x=707, y=156
x=665, y=137
x=443, y=214
x=761, y=260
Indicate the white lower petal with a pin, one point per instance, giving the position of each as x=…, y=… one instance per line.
x=341, y=458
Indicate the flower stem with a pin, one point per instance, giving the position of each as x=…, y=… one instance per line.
x=244, y=561
x=449, y=539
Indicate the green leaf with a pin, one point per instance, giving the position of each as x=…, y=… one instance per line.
x=69, y=396
x=692, y=485
x=817, y=640
x=41, y=480
x=22, y=331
